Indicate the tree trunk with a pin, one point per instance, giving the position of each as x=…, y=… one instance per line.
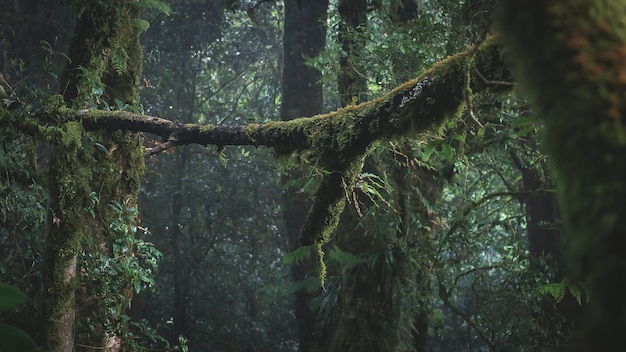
x=541, y=211
x=304, y=35
x=182, y=283
x=351, y=79
x=69, y=187
x=105, y=68
x=569, y=56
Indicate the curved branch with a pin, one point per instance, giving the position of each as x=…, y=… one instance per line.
x=418, y=105
x=338, y=141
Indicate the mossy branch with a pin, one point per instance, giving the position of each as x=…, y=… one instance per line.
x=418, y=105
x=336, y=142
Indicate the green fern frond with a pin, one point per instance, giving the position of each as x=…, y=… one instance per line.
x=141, y=25
x=557, y=290
x=119, y=61
x=156, y=5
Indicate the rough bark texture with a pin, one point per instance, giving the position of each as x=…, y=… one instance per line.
x=569, y=56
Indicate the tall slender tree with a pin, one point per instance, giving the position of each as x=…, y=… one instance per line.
x=304, y=37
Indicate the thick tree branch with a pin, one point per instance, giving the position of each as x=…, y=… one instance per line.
x=416, y=106
x=336, y=142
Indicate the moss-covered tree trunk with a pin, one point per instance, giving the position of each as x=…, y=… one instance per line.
x=569, y=56
x=363, y=313
x=105, y=66
x=69, y=181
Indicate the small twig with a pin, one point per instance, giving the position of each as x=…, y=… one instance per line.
x=171, y=143
x=486, y=81
x=87, y=346
x=444, y=295
x=471, y=113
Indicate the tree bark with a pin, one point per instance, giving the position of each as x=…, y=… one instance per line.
x=106, y=57
x=351, y=81
x=569, y=56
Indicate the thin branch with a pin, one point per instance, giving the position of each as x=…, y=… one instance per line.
x=444, y=295
x=488, y=197
x=491, y=82
x=159, y=148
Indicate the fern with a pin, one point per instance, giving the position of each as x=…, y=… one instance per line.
x=345, y=259
x=119, y=61
x=156, y=5
x=141, y=25
x=557, y=291
x=297, y=256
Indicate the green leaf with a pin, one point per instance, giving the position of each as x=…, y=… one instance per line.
x=10, y=297
x=448, y=151
x=429, y=150
x=458, y=137
x=521, y=122
x=347, y=260
x=102, y=148
x=297, y=256
x=141, y=25
x=556, y=290
x=525, y=131
x=157, y=5
x=137, y=285
x=14, y=339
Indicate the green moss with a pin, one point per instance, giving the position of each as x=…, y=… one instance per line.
x=336, y=143
x=109, y=56
x=569, y=57
x=70, y=177
x=206, y=128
